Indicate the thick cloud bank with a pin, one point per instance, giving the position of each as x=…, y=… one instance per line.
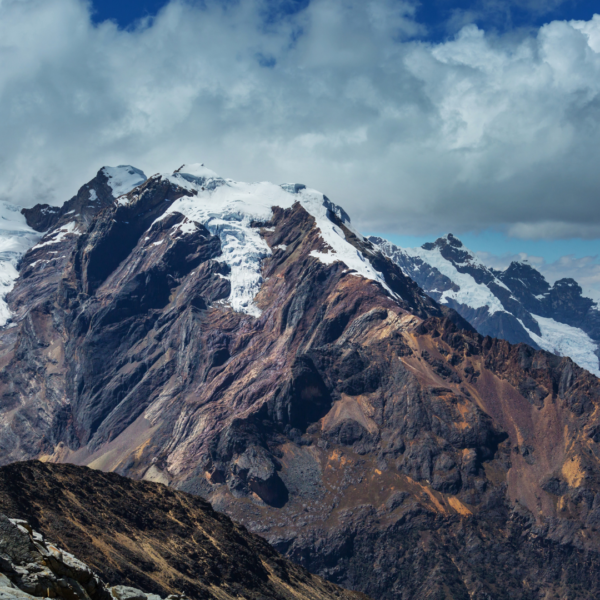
x=476, y=132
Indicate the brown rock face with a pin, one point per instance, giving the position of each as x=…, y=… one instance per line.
x=147, y=536
x=381, y=443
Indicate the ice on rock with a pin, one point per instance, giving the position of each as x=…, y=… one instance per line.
x=123, y=179
x=227, y=208
x=16, y=237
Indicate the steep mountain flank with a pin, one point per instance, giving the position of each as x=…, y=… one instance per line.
x=134, y=534
x=516, y=304
x=242, y=342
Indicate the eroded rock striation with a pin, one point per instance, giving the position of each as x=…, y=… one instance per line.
x=243, y=343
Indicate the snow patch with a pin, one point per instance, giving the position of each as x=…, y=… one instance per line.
x=59, y=234
x=123, y=179
x=186, y=227
x=228, y=208
x=327, y=259
x=565, y=340
x=471, y=293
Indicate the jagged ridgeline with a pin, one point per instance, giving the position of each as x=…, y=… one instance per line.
x=516, y=304
x=244, y=343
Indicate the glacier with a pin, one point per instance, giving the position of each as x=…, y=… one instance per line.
x=227, y=208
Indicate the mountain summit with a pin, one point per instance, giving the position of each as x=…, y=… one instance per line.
x=242, y=342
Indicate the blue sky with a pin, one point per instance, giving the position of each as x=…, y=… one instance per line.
x=496, y=242
x=442, y=17
x=480, y=118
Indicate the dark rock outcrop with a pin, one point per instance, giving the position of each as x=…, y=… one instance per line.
x=132, y=535
x=32, y=567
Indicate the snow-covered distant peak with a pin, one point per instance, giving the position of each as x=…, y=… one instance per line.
x=197, y=170
x=123, y=179
x=451, y=239
x=521, y=305
x=455, y=251
x=227, y=208
x=467, y=290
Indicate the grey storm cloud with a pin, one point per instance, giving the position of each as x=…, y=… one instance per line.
x=479, y=131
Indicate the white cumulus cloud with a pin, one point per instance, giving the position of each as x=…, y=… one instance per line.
x=479, y=131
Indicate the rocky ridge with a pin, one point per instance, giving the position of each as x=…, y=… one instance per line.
x=32, y=567
x=244, y=343
x=132, y=535
x=516, y=304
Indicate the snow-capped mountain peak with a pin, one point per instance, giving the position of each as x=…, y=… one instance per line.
x=229, y=208
x=123, y=179
x=197, y=170
x=45, y=226
x=516, y=304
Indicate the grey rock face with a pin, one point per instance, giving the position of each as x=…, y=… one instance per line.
x=33, y=567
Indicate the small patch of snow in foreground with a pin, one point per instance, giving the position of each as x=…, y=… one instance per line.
x=565, y=340
x=227, y=208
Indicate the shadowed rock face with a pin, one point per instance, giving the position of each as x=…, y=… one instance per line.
x=142, y=535
x=381, y=443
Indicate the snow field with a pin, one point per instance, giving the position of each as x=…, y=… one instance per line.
x=565, y=340
x=227, y=208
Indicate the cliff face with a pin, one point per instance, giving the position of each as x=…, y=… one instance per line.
x=122, y=534
x=367, y=432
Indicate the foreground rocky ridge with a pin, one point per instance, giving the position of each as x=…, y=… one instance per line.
x=367, y=432
x=32, y=567
x=133, y=535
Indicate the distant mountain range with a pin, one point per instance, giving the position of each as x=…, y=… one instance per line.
x=517, y=304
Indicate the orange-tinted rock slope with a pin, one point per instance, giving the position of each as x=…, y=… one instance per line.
x=368, y=433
